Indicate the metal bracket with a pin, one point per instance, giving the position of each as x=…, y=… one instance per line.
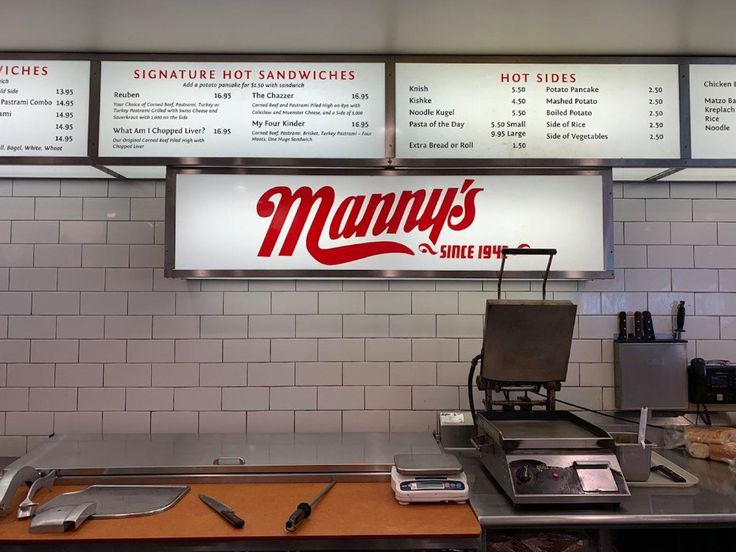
x=27, y=508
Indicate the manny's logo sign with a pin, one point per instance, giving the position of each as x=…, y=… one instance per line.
x=370, y=222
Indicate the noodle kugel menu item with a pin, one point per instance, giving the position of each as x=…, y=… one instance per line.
x=502, y=111
x=242, y=109
x=44, y=107
x=713, y=111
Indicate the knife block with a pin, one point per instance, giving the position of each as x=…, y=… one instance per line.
x=650, y=373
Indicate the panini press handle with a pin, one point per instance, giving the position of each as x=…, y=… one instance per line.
x=526, y=251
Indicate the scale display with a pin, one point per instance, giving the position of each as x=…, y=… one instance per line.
x=44, y=108
x=242, y=109
x=531, y=111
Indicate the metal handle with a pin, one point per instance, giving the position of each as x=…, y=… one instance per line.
x=229, y=461
x=527, y=251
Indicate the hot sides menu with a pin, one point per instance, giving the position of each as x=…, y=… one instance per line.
x=275, y=109
x=575, y=111
x=44, y=108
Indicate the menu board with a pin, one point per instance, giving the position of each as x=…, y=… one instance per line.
x=501, y=111
x=713, y=111
x=44, y=107
x=242, y=109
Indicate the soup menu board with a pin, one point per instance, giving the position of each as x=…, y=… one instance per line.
x=528, y=111
x=44, y=108
x=242, y=109
x=713, y=111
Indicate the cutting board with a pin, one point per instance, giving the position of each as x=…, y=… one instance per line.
x=350, y=510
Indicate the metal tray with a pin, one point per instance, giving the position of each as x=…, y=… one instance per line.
x=427, y=464
x=659, y=480
x=543, y=430
x=115, y=501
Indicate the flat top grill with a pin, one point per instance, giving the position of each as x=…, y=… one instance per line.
x=538, y=429
x=541, y=429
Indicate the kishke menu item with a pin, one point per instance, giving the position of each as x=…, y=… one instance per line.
x=533, y=111
x=44, y=108
x=242, y=109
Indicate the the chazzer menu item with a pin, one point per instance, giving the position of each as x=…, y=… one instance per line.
x=242, y=109
x=44, y=108
x=500, y=111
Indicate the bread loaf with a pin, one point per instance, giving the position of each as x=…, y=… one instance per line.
x=698, y=450
x=723, y=453
x=709, y=434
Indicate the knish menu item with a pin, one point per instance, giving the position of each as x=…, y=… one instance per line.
x=713, y=111
x=242, y=109
x=504, y=111
x=44, y=107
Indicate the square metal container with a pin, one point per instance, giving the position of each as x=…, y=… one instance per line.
x=634, y=459
x=650, y=373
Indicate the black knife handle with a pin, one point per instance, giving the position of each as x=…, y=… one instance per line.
x=622, y=330
x=301, y=513
x=648, y=326
x=680, y=316
x=232, y=519
x=667, y=472
x=638, y=326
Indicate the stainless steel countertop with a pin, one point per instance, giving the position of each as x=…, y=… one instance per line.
x=196, y=454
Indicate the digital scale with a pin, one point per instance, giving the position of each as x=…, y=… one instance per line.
x=428, y=478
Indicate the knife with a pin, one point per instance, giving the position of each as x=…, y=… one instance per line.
x=622, y=331
x=648, y=326
x=680, y=328
x=224, y=510
x=638, y=333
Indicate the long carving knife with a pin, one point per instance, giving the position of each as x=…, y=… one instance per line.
x=224, y=510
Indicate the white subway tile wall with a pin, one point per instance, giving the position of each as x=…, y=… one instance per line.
x=94, y=338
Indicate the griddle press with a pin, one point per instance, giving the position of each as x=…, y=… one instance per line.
x=536, y=454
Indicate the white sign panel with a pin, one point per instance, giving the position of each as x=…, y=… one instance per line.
x=713, y=111
x=192, y=109
x=44, y=108
x=504, y=111
x=386, y=223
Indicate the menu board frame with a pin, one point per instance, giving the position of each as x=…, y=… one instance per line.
x=685, y=104
x=251, y=161
x=170, y=270
x=93, y=159
x=87, y=159
x=683, y=98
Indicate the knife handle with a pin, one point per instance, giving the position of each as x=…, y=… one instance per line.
x=667, y=472
x=233, y=519
x=680, y=317
x=638, y=335
x=622, y=330
x=302, y=512
x=648, y=326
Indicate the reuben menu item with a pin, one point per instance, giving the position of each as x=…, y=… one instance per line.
x=713, y=111
x=499, y=111
x=44, y=108
x=242, y=109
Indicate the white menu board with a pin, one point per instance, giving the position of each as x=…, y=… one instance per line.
x=500, y=111
x=430, y=223
x=713, y=111
x=242, y=109
x=44, y=107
